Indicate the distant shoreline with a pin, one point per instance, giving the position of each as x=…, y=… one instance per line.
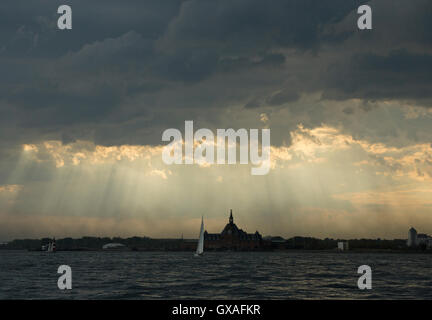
x=318, y=251
x=274, y=244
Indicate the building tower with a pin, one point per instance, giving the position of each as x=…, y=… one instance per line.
x=231, y=219
x=412, y=237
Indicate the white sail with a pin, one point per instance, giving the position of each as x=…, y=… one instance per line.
x=200, y=247
x=51, y=246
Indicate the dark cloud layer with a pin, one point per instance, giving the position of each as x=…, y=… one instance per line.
x=129, y=70
x=400, y=74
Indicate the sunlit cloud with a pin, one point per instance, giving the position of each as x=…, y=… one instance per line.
x=322, y=183
x=10, y=188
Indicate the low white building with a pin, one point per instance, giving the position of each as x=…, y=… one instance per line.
x=114, y=246
x=343, y=246
x=416, y=239
x=423, y=239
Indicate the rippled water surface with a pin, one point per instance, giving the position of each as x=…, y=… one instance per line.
x=222, y=275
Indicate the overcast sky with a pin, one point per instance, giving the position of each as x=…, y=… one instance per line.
x=82, y=114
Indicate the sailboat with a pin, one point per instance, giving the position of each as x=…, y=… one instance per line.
x=200, y=247
x=51, y=246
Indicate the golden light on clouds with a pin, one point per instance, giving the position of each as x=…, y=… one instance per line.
x=324, y=184
x=10, y=188
x=308, y=146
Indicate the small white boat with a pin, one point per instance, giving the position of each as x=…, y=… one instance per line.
x=200, y=247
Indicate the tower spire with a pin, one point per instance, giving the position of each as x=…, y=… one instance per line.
x=231, y=219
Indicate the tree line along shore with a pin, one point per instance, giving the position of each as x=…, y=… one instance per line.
x=150, y=244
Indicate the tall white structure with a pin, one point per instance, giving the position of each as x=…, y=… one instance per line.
x=412, y=237
x=343, y=245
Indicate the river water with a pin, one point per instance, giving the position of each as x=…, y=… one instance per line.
x=216, y=275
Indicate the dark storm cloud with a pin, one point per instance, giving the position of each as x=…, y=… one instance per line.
x=22, y=21
x=134, y=68
x=245, y=25
x=283, y=97
x=400, y=74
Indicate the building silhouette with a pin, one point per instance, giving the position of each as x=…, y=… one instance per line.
x=233, y=238
x=412, y=237
x=418, y=239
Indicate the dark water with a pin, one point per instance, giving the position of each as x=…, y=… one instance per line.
x=227, y=275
